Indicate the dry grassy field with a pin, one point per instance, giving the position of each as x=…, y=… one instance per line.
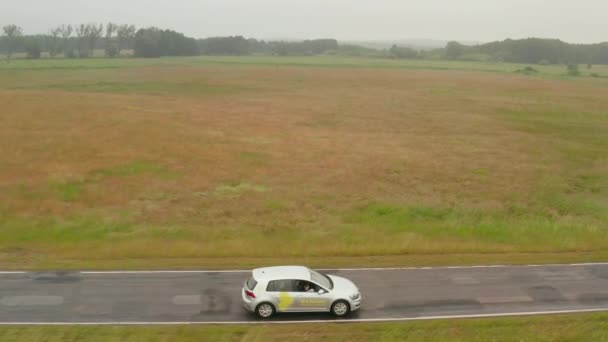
x=236, y=162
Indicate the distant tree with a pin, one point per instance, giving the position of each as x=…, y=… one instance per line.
x=33, y=49
x=321, y=46
x=403, y=52
x=66, y=34
x=54, y=41
x=148, y=43
x=13, y=35
x=454, y=50
x=256, y=46
x=124, y=35
x=393, y=51
x=82, y=32
x=153, y=42
x=111, y=48
x=94, y=32
x=305, y=48
x=360, y=51
x=542, y=51
x=231, y=46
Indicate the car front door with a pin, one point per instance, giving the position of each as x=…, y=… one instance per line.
x=311, y=300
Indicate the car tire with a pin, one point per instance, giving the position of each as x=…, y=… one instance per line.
x=265, y=310
x=340, y=308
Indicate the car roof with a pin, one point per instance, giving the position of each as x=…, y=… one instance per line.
x=282, y=272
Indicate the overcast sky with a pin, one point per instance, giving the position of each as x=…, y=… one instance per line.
x=472, y=20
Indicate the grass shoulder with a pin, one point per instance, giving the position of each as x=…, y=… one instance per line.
x=576, y=327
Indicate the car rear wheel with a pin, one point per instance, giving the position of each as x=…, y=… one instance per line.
x=340, y=308
x=265, y=310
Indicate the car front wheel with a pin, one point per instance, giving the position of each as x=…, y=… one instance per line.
x=340, y=308
x=265, y=310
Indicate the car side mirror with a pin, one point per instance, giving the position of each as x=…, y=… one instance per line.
x=321, y=292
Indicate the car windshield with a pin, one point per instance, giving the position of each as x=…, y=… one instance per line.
x=321, y=279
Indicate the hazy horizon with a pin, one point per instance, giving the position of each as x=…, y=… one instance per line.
x=382, y=20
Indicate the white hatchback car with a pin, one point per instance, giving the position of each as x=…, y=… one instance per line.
x=298, y=289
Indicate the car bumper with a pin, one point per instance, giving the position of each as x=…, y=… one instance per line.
x=355, y=304
x=247, y=302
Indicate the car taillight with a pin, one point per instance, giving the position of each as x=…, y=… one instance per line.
x=250, y=294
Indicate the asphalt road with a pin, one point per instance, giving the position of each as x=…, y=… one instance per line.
x=196, y=297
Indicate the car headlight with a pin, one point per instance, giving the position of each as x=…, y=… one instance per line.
x=355, y=296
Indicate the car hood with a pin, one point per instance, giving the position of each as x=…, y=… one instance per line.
x=344, y=285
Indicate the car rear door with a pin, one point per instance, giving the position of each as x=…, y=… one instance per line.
x=284, y=293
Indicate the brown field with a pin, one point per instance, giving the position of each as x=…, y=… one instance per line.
x=221, y=165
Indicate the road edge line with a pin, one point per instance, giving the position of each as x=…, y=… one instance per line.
x=345, y=321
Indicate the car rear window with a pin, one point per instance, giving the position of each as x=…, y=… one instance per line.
x=251, y=283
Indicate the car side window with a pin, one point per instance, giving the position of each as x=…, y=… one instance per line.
x=283, y=285
x=273, y=286
x=306, y=286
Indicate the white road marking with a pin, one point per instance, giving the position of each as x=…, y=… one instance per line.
x=31, y=300
x=166, y=272
x=13, y=272
x=463, y=267
x=330, y=269
x=345, y=321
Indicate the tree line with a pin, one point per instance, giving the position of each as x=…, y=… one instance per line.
x=531, y=51
x=86, y=40
x=238, y=45
x=78, y=41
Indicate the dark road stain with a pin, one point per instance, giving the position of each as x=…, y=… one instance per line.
x=525, y=278
x=593, y=298
x=215, y=302
x=461, y=304
x=600, y=271
x=545, y=294
x=129, y=309
x=56, y=277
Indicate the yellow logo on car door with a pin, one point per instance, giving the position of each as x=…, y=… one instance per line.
x=285, y=301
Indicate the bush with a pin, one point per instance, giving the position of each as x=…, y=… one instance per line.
x=112, y=51
x=573, y=70
x=527, y=71
x=594, y=75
